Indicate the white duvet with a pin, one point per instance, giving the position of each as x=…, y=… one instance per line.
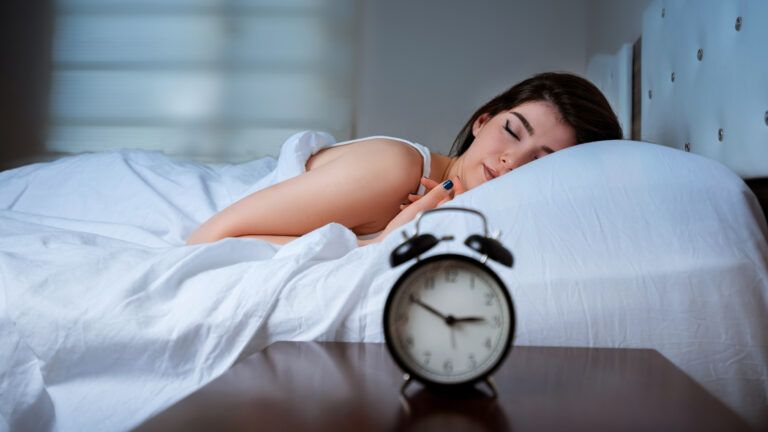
x=107, y=317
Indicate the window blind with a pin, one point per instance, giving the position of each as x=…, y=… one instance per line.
x=212, y=80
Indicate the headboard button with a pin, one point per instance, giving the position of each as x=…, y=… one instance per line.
x=738, y=23
x=650, y=94
x=688, y=147
x=720, y=134
x=663, y=12
x=700, y=54
x=673, y=77
x=766, y=118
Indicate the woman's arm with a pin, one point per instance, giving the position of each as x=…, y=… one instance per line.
x=272, y=238
x=364, y=185
x=437, y=195
x=285, y=239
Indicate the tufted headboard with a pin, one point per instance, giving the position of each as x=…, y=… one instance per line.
x=704, y=80
x=699, y=81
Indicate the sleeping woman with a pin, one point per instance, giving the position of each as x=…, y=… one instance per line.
x=371, y=185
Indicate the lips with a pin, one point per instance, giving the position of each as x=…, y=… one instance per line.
x=489, y=173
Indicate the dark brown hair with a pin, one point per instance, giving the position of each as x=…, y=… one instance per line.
x=581, y=105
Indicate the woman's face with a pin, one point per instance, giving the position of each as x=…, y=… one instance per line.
x=512, y=138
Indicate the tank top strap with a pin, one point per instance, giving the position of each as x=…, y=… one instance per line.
x=425, y=154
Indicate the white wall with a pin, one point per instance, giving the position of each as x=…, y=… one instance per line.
x=612, y=23
x=427, y=65
x=613, y=26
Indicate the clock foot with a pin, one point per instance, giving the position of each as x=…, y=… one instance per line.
x=406, y=381
x=491, y=385
x=403, y=398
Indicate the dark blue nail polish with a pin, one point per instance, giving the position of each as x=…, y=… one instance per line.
x=447, y=185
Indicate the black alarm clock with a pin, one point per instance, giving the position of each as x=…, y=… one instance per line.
x=449, y=320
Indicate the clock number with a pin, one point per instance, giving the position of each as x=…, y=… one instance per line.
x=488, y=342
x=472, y=361
x=472, y=282
x=451, y=274
x=409, y=341
x=489, y=297
x=496, y=321
x=448, y=366
x=429, y=282
x=427, y=357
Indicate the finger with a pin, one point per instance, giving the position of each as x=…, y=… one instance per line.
x=432, y=198
x=427, y=202
x=413, y=197
x=429, y=183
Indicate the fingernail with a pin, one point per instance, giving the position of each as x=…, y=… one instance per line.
x=447, y=185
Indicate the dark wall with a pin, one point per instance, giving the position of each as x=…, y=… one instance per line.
x=26, y=28
x=760, y=188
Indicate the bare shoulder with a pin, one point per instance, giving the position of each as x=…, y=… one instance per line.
x=394, y=166
x=399, y=163
x=389, y=149
x=377, y=150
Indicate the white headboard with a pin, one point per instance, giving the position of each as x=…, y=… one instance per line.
x=612, y=74
x=704, y=83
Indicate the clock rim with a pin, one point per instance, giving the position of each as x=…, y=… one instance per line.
x=398, y=285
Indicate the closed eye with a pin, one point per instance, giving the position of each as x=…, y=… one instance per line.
x=506, y=126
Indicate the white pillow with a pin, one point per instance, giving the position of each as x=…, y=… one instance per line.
x=613, y=207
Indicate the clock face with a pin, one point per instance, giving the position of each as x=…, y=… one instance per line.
x=449, y=320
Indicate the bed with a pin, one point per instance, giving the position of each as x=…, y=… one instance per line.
x=107, y=317
x=696, y=81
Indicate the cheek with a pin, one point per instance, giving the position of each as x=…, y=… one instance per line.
x=566, y=138
x=493, y=145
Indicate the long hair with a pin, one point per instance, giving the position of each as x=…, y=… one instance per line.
x=580, y=104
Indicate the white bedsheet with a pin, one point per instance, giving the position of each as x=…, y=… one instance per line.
x=106, y=317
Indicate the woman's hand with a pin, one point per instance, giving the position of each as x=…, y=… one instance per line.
x=436, y=195
x=429, y=184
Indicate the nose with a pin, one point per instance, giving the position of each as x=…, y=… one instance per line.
x=510, y=162
x=517, y=157
x=505, y=165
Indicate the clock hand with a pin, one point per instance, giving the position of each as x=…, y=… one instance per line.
x=469, y=319
x=448, y=319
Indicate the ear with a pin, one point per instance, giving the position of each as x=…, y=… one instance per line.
x=479, y=123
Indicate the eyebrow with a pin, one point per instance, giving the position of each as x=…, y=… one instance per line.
x=528, y=127
x=525, y=122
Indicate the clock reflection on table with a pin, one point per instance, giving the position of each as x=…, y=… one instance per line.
x=468, y=409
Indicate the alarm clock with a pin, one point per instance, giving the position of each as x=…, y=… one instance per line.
x=449, y=320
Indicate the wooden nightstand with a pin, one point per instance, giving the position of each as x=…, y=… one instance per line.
x=355, y=387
